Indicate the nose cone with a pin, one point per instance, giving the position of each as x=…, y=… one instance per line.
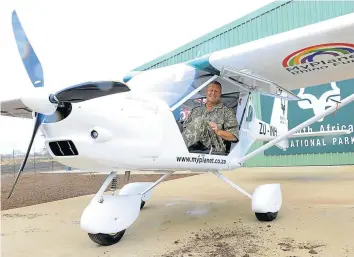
x=37, y=99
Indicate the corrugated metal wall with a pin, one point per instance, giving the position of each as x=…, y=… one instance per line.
x=277, y=17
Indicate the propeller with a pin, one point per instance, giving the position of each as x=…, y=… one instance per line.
x=39, y=100
x=35, y=73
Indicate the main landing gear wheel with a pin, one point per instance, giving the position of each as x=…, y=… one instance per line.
x=269, y=216
x=107, y=239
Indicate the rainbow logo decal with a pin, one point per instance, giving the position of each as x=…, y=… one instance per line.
x=307, y=55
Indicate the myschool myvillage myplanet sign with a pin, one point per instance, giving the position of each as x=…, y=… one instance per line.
x=331, y=55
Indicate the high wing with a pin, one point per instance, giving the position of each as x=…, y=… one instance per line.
x=307, y=56
x=311, y=55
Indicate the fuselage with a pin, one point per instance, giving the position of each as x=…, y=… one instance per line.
x=136, y=129
x=123, y=131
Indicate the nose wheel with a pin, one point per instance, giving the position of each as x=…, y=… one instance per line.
x=107, y=213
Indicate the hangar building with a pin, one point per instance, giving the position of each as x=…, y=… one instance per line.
x=277, y=17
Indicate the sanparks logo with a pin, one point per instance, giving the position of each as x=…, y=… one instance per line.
x=319, y=105
x=316, y=100
x=319, y=57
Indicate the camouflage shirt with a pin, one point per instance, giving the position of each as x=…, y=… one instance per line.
x=224, y=117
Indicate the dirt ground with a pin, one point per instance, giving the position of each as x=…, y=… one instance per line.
x=203, y=216
x=35, y=188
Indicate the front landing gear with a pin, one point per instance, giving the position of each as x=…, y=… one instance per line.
x=266, y=199
x=107, y=214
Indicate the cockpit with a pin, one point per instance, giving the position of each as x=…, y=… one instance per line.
x=183, y=87
x=229, y=98
x=237, y=87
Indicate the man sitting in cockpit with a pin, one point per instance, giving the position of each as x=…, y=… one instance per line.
x=211, y=123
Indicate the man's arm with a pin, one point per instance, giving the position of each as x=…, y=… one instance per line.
x=230, y=132
x=222, y=133
x=226, y=135
x=188, y=120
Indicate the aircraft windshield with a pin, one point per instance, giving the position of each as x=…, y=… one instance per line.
x=230, y=100
x=90, y=90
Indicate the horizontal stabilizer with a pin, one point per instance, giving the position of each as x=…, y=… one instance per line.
x=321, y=133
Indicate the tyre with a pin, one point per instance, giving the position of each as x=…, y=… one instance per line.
x=269, y=216
x=107, y=239
x=142, y=204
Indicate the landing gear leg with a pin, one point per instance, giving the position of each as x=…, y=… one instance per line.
x=158, y=182
x=152, y=186
x=266, y=199
x=126, y=181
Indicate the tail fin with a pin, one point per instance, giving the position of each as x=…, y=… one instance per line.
x=279, y=119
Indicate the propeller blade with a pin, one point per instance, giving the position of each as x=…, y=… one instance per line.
x=38, y=122
x=28, y=56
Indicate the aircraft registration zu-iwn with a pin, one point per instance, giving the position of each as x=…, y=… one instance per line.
x=82, y=131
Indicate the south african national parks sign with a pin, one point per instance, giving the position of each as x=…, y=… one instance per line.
x=317, y=100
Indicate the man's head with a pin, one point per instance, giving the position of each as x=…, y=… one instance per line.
x=213, y=92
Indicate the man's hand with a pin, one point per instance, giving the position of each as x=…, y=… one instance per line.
x=223, y=134
x=214, y=127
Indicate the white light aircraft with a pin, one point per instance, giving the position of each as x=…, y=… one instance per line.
x=130, y=125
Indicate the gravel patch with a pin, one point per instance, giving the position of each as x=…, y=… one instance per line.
x=34, y=188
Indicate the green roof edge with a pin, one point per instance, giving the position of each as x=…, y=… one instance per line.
x=214, y=33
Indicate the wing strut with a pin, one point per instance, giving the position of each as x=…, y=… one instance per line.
x=193, y=93
x=334, y=108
